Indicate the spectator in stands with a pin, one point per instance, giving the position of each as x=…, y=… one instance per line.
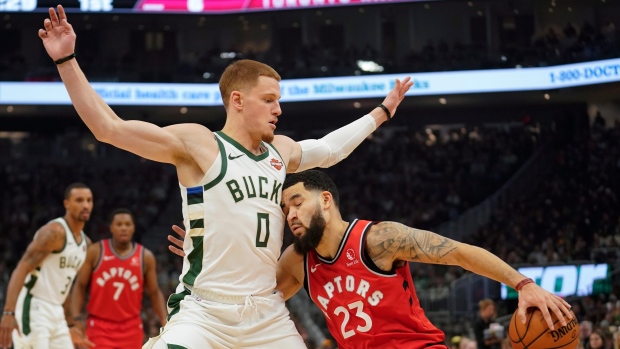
x=597, y=340
x=455, y=342
x=485, y=338
x=467, y=343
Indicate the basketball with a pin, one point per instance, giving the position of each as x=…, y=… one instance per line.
x=535, y=334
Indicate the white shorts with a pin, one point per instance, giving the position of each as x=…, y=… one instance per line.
x=207, y=321
x=42, y=324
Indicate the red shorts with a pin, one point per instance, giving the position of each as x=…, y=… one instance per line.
x=106, y=334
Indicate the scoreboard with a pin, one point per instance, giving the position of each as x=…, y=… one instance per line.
x=180, y=6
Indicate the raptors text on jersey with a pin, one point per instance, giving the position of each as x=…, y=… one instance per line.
x=364, y=306
x=116, y=285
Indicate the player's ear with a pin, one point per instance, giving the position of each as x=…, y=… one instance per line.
x=236, y=100
x=326, y=199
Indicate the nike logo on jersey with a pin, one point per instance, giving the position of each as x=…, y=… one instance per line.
x=230, y=157
x=313, y=268
x=108, y=258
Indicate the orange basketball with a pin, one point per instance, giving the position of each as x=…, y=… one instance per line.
x=535, y=334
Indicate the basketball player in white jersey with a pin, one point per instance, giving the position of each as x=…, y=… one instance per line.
x=231, y=184
x=36, y=314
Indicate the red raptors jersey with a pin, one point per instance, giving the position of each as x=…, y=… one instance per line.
x=364, y=306
x=116, y=284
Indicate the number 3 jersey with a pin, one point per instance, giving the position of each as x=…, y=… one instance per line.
x=52, y=280
x=116, y=284
x=364, y=306
x=234, y=222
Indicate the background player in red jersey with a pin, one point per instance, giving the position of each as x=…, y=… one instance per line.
x=117, y=270
x=356, y=272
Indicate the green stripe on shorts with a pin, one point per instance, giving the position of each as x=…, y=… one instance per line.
x=26, y=314
x=174, y=302
x=174, y=346
x=27, y=300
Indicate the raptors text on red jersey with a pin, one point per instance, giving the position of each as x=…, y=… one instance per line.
x=364, y=306
x=116, y=284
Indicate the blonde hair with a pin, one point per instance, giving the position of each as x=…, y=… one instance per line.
x=243, y=75
x=483, y=304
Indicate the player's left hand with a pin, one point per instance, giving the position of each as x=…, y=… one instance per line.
x=177, y=245
x=393, y=99
x=532, y=295
x=80, y=341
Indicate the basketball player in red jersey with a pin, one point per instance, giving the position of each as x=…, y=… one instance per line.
x=117, y=270
x=357, y=272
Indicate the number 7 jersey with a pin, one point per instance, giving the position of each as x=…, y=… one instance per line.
x=234, y=222
x=364, y=306
x=116, y=284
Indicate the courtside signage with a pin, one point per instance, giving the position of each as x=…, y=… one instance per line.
x=565, y=280
x=355, y=87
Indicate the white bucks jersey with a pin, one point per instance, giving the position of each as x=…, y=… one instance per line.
x=235, y=222
x=51, y=281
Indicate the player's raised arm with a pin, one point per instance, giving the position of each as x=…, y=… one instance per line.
x=141, y=138
x=51, y=237
x=388, y=242
x=337, y=145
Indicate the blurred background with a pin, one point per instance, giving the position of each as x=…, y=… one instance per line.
x=509, y=140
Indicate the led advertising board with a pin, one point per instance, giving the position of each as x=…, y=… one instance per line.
x=566, y=280
x=180, y=6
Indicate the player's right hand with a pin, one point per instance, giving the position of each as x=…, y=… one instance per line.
x=80, y=341
x=58, y=36
x=177, y=245
x=7, y=325
x=532, y=295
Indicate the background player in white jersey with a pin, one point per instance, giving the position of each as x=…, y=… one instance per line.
x=33, y=314
x=231, y=183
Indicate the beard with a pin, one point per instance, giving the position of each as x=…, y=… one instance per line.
x=311, y=239
x=82, y=217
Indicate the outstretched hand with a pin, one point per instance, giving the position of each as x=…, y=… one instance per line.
x=532, y=295
x=397, y=94
x=177, y=245
x=58, y=36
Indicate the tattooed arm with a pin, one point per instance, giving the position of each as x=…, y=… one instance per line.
x=51, y=237
x=388, y=242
